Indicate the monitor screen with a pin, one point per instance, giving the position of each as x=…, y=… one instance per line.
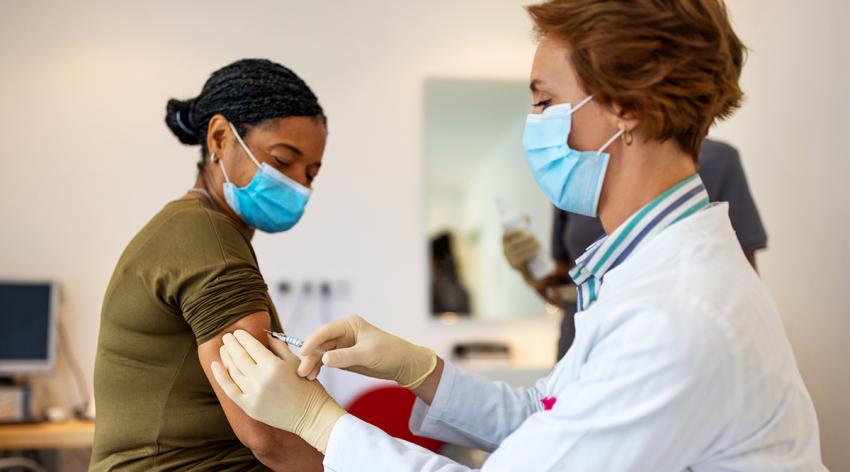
x=26, y=326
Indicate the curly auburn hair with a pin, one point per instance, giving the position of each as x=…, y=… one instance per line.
x=674, y=63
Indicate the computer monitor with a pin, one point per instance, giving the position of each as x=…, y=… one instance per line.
x=28, y=317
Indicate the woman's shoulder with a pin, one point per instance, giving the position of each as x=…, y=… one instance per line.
x=190, y=228
x=195, y=216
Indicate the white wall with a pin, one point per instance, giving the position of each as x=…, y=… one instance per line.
x=792, y=134
x=86, y=159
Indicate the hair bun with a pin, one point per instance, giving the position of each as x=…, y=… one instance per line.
x=178, y=117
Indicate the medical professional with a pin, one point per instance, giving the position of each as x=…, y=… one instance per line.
x=680, y=360
x=719, y=167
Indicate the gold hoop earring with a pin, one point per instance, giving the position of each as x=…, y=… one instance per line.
x=627, y=137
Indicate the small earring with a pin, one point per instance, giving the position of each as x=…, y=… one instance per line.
x=627, y=137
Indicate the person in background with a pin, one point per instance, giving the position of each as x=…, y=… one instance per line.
x=447, y=291
x=720, y=170
x=191, y=274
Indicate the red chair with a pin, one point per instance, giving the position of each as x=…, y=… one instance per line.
x=389, y=408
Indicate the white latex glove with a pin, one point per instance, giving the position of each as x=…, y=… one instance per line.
x=268, y=389
x=353, y=344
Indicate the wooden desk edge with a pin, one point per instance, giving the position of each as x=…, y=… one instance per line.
x=72, y=434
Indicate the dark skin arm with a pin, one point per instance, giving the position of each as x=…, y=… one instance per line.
x=558, y=278
x=275, y=448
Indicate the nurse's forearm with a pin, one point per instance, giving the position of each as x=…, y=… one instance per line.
x=428, y=389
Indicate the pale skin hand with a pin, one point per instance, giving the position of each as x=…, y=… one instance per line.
x=275, y=448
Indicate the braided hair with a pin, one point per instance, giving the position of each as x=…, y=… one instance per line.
x=246, y=92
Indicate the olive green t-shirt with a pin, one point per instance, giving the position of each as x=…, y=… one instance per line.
x=187, y=275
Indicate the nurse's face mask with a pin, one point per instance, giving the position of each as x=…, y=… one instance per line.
x=271, y=202
x=571, y=179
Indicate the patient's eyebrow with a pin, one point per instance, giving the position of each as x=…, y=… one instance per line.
x=287, y=146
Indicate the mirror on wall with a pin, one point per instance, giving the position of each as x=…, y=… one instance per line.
x=474, y=157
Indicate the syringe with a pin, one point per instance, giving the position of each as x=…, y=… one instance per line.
x=291, y=340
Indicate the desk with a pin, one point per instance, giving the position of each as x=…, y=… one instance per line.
x=72, y=434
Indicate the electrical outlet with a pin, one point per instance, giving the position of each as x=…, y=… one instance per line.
x=284, y=287
x=335, y=289
x=338, y=289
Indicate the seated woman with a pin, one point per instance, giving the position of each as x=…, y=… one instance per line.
x=190, y=275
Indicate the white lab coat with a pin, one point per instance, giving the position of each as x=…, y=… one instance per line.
x=681, y=364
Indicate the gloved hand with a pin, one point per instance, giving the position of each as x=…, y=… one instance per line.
x=266, y=386
x=353, y=344
x=519, y=247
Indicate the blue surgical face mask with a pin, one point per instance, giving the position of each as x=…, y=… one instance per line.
x=571, y=179
x=271, y=202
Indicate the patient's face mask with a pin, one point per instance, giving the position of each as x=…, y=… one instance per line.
x=271, y=202
x=571, y=179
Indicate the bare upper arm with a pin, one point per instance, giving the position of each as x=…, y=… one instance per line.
x=271, y=446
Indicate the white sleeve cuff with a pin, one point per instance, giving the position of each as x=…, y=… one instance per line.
x=472, y=411
x=357, y=446
x=344, y=442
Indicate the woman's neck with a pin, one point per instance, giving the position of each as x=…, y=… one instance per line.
x=219, y=202
x=638, y=175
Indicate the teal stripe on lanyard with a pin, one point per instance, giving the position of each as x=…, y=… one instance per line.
x=690, y=211
x=592, y=297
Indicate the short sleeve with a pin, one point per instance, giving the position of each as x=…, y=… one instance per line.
x=213, y=277
x=228, y=293
x=724, y=178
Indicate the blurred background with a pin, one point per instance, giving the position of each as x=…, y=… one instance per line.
x=86, y=160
